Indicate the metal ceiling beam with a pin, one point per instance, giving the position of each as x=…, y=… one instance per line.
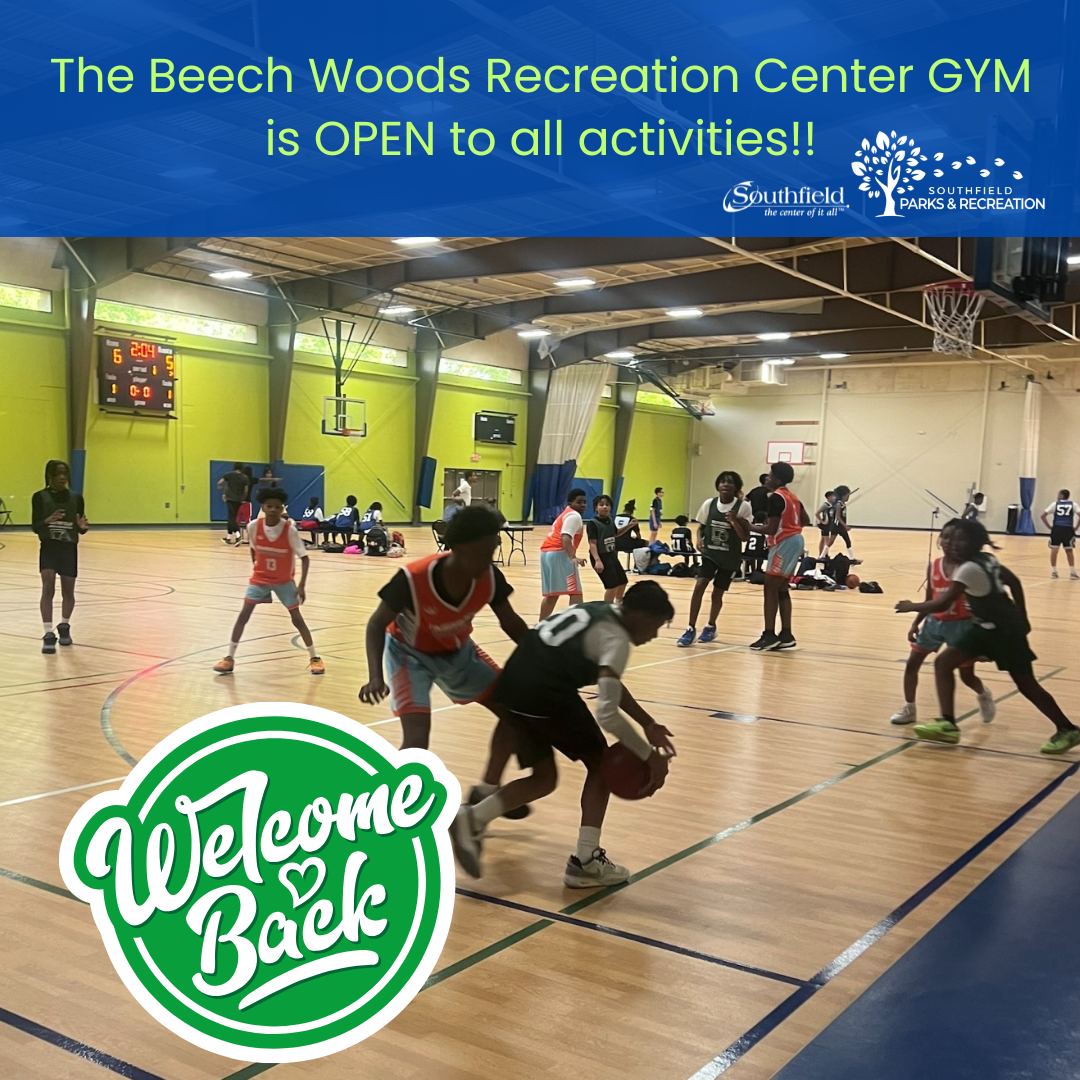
x=109, y=258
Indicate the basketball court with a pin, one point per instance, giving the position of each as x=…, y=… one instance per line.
x=814, y=892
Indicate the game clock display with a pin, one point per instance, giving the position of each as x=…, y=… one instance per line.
x=138, y=375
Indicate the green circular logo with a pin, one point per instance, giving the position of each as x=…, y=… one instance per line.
x=273, y=882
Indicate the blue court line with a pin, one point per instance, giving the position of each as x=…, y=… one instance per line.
x=73, y=1046
x=640, y=939
x=749, y=1039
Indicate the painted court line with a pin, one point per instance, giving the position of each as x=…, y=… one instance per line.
x=62, y=791
x=749, y=1039
x=640, y=939
x=73, y=1046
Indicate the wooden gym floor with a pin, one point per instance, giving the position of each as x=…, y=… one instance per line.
x=800, y=847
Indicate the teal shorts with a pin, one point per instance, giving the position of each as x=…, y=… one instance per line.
x=935, y=634
x=784, y=557
x=286, y=593
x=464, y=675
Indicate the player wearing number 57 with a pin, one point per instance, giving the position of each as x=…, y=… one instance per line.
x=275, y=546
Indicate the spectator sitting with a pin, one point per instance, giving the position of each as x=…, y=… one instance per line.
x=631, y=539
x=372, y=516
x=453, y=507
x=682, y=541
x=311, y=520
x=345, y=522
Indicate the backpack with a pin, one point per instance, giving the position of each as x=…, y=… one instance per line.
x=642, y=558
x=870, y=587
x=398, y=538
x=334, y=548
x=377, y=541
x=838, y=568
x=680, y=570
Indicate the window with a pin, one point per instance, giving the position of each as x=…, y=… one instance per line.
x=487, y=372
x=18, y=296
x=372, y=354
x=131, y=315
x=651, y=397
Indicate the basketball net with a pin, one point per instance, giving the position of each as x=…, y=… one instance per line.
x=954, y=308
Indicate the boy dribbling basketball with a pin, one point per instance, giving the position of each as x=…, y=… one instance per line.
x=539, y=689
x=275, y=545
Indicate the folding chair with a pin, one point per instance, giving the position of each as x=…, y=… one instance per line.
x=5, y=514
x=438, y=531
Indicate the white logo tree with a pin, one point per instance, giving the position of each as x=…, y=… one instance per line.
x=892, y=163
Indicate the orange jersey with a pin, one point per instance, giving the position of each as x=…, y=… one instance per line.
x=939, y=584
x=790, y=519
x=433, y=625
x=273, y=558
x=553, y=540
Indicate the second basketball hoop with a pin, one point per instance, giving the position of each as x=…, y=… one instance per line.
x=953, y=308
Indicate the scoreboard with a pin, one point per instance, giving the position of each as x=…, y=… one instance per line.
x=137, y=375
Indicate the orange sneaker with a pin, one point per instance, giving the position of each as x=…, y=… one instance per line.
x=316, y=666
x=224, y=667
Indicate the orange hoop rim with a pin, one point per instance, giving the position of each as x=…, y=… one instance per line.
x=958, y=287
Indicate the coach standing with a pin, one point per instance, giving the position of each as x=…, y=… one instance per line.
x=234, y=487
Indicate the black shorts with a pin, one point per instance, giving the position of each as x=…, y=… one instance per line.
x=613, y=574
x=570, y=728
x=838, y=530
x=826, y=530
x=1008, y=649
x=709, y=571
x=61, y=556
x=1062, y=536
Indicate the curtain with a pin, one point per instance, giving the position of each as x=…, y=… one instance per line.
x=1029, y=455
x=572, y=402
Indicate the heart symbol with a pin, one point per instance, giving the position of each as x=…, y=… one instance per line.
x=302, y=869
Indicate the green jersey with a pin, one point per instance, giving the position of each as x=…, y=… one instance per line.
x=996, y=609
x=721, y=544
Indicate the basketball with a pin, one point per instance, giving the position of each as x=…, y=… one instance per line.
x=853, y=581
x=624, y=772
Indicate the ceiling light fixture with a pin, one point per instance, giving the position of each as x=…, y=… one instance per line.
x=229, y=275
x=777, y=335
x=780, y=362
x=535, y=332
x=1073, y=260
x=685, y=313
x=415, y=241
x=833, y=355
x=398, y=309
x=575, y=283
x=620, y=354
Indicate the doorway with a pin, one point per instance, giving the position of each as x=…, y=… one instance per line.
x=485, y=486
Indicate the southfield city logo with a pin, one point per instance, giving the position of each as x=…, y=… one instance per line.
x=272, y=882
x=798, y=202
x=890, y=167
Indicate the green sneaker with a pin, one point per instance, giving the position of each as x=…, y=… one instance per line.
x=943, y=731
x=1062, y=742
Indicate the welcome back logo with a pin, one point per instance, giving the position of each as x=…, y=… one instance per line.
x=273, y=882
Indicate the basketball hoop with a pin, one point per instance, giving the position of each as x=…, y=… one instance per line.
x=954, y=308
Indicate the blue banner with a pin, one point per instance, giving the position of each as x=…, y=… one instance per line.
x=958, y=117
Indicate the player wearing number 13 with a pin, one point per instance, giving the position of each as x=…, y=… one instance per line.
x=275, y=545
x=538, y=691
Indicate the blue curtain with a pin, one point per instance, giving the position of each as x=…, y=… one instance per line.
x=1024, y=525
x=547, y=491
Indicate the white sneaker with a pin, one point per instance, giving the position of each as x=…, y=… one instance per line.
x=1074, y=576
x=466, y=841
x=987, y=708
x=905, y=714
x=1053, y=573
x=598, y=871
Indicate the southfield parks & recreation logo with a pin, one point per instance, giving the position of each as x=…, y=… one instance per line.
x=273, y=882
x=891, y=167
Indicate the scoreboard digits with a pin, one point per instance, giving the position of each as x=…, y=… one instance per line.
x=137, y=375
